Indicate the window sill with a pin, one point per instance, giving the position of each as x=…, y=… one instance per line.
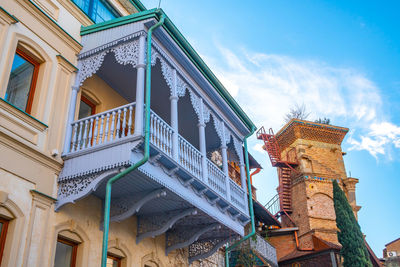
x=22, y=115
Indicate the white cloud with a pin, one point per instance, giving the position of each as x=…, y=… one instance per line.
x=266, y=86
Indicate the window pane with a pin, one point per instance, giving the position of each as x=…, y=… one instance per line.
x=97, y=10
x=1, y=227
x=84, y=110
x=103, y=12
x=111, y=262
x=20, y=81
x=63, y=255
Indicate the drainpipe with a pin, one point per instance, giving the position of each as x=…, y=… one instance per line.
x=253, y=226
x=145, y=158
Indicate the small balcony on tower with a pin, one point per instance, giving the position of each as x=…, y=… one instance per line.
x=186, y=190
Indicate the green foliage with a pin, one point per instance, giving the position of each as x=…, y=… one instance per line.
x=246, y=257
x=323, y=121
x=354, y=251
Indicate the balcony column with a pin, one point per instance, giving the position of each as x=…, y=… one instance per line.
x=242, y=170
x=141, y=67
x=202, y=142
x=71, y=117
x=174, y=118
x=224, y=154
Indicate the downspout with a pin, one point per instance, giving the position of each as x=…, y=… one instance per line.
x=145, y=158
x=253, y=226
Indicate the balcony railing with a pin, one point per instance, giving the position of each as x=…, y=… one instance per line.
x=216, y=178
x=265, y=249
x=118, y=123
x=102, y=128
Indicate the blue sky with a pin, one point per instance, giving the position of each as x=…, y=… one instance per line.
x=340, y=58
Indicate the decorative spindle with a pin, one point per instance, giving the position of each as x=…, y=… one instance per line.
x=85, y=132
x=90, y=132
x=95, y=141
x=124, y=122
x=112, y=125
x=101, y=129
x=118, y=124
x=75, y=129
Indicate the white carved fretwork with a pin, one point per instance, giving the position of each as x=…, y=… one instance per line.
x=222, y=131
x=180, y=87
x=200, y=108
x=238, y=148
x=89, y=66
x=127, y=53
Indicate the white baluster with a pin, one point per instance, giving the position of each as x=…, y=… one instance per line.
x=118, y=124
x=96, y=124
x=85, y=134
x=106, y=136
x=90, y=133
x=112, y=126
x=75, y=130
x=80, y=136
x=130, y=121
x=124, y=122
x=101, y=129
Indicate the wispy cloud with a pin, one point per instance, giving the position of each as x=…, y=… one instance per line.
x=267, y=85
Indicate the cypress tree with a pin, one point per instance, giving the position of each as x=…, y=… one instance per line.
x=354, y=251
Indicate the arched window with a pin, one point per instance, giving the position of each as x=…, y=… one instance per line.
x=22, y=80
x=66, y=249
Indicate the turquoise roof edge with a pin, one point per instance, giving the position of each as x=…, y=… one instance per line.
x=184, y=45
x=138, y=5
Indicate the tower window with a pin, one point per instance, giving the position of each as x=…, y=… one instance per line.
x=113, y=261
x=22, y=82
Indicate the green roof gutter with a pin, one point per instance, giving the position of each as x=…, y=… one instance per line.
x=189, y=51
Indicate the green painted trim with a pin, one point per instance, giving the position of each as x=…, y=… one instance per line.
x=29, y=115
x=189, y=51
x=43, y=194
x=138, y=5
x=61, y=28
x=66, y=60
x=8, y=14
x=118, y=22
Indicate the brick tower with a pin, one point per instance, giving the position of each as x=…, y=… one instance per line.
x=310, y=157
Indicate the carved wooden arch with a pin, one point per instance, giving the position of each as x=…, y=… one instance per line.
x=84, y=242
x=151, y=260
x=14, y=213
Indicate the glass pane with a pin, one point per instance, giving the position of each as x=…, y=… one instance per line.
x=63, y=255
x=82, y=4
x=112, y=262
x=20, y=81
x=1, y=227
x=84, y=110
x=103, y=12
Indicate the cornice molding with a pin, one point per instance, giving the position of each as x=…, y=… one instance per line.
x=51, y=24
x=11, y=19
x=76, y=12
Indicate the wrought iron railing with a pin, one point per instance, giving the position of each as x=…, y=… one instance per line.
x=102, y=128
x=273, y=205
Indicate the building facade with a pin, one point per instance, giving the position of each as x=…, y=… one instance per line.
x=72, y=75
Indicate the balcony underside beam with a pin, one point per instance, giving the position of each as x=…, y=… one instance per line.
x=152, y=225
x=125, y=207
x=204, y=248
x=179, y=239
